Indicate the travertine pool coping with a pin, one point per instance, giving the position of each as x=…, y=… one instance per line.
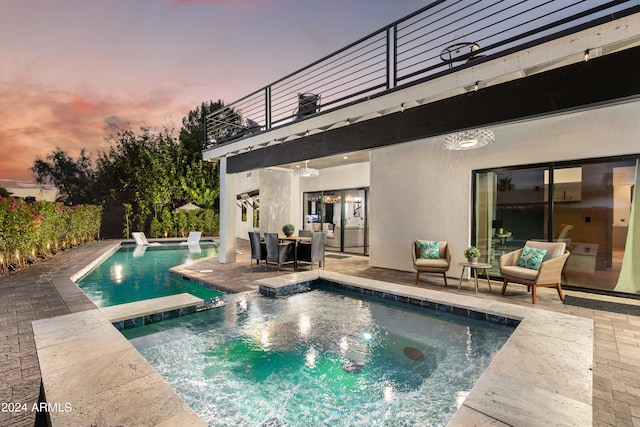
x=89, y=367
x=542, y=375
x=117, y=313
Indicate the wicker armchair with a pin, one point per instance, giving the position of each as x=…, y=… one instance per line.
x=440, y=265
x=549, y=274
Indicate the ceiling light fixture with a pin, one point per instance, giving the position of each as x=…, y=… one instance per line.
x=306, y=171
x=469, y=139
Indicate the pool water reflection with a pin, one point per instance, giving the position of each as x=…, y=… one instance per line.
x=135, y=273
x=321, y=358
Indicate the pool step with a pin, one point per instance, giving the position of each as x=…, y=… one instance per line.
x=139, y=313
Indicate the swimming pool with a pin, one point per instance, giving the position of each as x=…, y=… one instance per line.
x=324, y=357
x=136, y=273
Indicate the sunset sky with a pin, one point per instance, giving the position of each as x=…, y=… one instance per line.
x=70, y=67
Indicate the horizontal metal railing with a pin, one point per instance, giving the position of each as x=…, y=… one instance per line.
x=441, y=38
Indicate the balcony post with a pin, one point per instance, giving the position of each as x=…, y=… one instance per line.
x=267, y=107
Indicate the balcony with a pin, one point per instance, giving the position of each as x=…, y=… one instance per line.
x=435, y=41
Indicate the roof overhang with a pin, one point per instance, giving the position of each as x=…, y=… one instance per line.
x=602, y=80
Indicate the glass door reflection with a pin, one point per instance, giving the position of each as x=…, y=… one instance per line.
x=342, y=214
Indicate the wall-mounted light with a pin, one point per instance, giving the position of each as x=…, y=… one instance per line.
x=587, y=55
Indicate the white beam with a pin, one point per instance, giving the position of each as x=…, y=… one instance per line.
x=227, y=215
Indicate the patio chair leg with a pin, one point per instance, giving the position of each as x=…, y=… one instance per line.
x=504, y=286
x=533, y=294
x=445, y=278
x=417, y=277
x=559, y=287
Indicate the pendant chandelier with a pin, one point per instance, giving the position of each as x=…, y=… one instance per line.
x=469, y=139
x=306, y=171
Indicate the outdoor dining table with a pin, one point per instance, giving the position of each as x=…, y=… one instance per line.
x=296, y=241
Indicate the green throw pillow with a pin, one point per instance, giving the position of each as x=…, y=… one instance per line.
x=430, y=250
x=531, y=258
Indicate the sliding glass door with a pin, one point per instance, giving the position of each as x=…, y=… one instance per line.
x=343, y=214
x=586, y=204
x=512, y=209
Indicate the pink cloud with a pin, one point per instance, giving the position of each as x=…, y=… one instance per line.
x=37, y=119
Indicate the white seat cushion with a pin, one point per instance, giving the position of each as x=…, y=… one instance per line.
x=431, y=263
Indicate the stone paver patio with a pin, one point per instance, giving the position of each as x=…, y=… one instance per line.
x=45, y=290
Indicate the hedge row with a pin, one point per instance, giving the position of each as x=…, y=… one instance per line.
x=180, y=223
x=31, y=230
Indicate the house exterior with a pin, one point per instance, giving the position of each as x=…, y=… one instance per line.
x=558, y=89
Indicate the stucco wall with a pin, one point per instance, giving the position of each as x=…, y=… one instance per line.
x=275, y=200
x=278, y=200
x=420, y=190
x=244, y=183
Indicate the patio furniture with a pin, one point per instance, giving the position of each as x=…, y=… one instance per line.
x=304, y=233
x=436, y=261
x=193, y=239
x=548, y=257
x=141, y=239
x=474, y=267
x=295, y=241
x=314, y=251
x=278, y=253
x=308, y=104
x=458, y=52
x=353, y=236
x=258, y=249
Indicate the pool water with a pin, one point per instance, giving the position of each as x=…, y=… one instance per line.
x=136, y=273
x=322, y=357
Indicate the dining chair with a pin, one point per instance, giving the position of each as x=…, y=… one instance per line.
x=258, y=249
x=278, y=253
x=314, y=251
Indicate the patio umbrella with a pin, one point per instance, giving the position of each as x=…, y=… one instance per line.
x=188, y=207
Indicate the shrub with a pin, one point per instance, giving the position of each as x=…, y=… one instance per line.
x=33, y=229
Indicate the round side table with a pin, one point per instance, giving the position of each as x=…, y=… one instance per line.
x=474, y=267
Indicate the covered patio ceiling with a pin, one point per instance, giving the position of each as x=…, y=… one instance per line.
x=332, y=161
